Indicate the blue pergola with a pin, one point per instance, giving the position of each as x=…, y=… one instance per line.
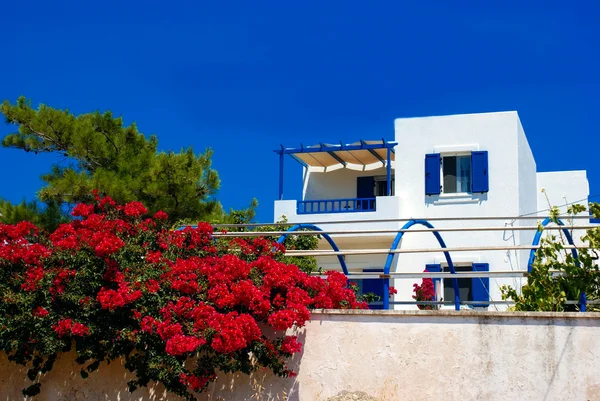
x=362, y=155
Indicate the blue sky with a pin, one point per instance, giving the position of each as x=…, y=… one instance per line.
x=243, y=77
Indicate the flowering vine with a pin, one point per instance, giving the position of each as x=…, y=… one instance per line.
x=118, y=283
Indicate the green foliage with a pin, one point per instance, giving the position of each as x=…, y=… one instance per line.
x=367, y=297
x=117, y=160
x=557, y=276
x=307, y=264
x=48, y=217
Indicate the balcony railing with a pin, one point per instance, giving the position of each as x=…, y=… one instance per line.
x=349, y=205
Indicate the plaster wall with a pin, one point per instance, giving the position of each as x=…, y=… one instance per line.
x=390, y=355
x=335, y=184
x=561, y=188
x=510, y=171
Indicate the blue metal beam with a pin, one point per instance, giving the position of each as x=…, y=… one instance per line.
x=336, y=148
x=281, y=155
x=336, y=157
x=388, y=171
x=299, y=160
x=371, y=151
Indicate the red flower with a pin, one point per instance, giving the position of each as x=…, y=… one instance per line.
x=148, y=324
x=216, y=296
x=32, y=278
x=282, y=320
x=167, y=330
x=180, y=344
x=135, y=209
x=152, y=286
x=111, y=299
x=82, y=210
x=39, y=312
x=424, y=292
x=290, y=345
x=66, y=326
x=196, y=382
x=160, y=215
x=109, y=245
x=154, y=256
x=60, y=281
x=79, y=329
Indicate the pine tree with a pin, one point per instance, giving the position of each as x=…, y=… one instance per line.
x=117, y=160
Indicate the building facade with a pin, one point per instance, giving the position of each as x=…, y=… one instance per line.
x=446, y=170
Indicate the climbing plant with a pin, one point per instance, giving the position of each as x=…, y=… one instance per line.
x=556, y=275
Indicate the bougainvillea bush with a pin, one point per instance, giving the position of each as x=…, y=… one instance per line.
x=177, y=305
x=424, y=292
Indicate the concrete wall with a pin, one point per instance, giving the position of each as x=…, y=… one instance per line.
x=390, y=355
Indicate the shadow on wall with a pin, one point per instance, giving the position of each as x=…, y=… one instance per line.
x=455, y=199
x=64, y=383
x=259, y=386
x=109, y=382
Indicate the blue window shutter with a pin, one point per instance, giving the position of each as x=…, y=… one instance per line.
x=479, y=171
x=374, y=285
x=434, y=269
x=432, y=174
x=481, y=286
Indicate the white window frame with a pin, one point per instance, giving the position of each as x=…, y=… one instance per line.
x=443, y=192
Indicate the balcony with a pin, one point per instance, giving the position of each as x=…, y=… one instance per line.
x=335, y=211
x=350, y=205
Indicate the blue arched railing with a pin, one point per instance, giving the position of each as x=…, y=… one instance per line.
x=538, y=237
x=326, y=236
x=536, y=242
x=390, y=259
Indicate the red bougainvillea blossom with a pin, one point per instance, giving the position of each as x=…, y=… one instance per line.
x=118, y=282
x=67, y=327
x=424, y=292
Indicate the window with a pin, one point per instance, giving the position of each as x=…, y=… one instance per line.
x=465, y=285
x=370, y=187
x=457, y=174
x=381, y=186
x=469, y=289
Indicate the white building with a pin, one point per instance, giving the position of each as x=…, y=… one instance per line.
x=458, y=166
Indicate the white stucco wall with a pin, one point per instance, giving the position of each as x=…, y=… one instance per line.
x=390, y=355
x=527, y=200
x=514, y=190
x=497, y=133
x=387, y=207
x=335, y=184
x=561, y=188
